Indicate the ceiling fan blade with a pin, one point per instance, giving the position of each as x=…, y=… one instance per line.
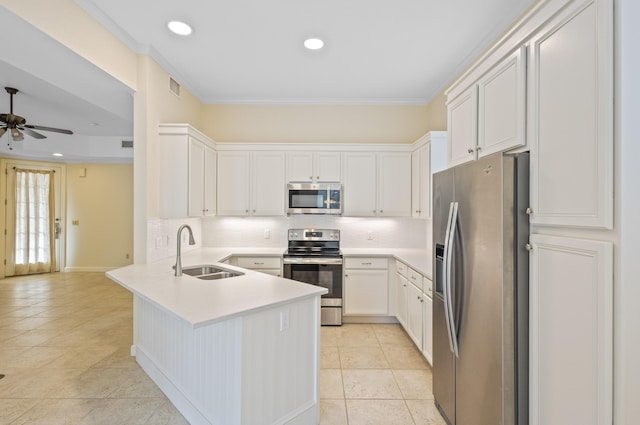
x=33, y=133
x=57, y=130
x=2, y=131
x=4, y=118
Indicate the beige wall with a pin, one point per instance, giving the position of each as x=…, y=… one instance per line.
x=437, y=113
x=70, y=25
x=102, y=202
x=315, y=123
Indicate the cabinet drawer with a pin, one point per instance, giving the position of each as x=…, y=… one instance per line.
x=259, y=262
x=365, y=263
x=415, y=278
x=427, y=287
x=401, y=268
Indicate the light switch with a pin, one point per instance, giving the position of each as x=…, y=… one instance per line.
x=75, y=222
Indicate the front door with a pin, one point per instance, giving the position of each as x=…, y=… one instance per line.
x=14, y=257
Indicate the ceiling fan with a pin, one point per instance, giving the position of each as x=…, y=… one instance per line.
x=17, y=124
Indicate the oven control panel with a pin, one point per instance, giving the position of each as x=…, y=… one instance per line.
x=314, y=235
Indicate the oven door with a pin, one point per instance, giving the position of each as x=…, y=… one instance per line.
x=324, y=272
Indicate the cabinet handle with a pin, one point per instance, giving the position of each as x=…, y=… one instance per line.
x=413, y=278
x=346, y=275
x=254, y=210
x=470, y=150
x=366, y=264
x=257, y=264
x=374, y=211
x=528, y=211
x=310, y=177
x=404, y=284
x=317, y=177
x=381, y=211
x=478, y=148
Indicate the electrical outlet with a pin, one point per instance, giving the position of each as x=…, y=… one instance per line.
x=126, y=256
x=369, y=235
x=284, y=320
x=267, y=233
x=75, y=222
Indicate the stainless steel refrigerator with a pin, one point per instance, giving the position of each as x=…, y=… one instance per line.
x=480, y=307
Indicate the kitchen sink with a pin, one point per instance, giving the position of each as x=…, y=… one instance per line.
x=209, y=272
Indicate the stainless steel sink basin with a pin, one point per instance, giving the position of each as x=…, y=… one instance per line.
x=209, y=272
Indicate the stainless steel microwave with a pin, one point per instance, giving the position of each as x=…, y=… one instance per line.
x=314, y=198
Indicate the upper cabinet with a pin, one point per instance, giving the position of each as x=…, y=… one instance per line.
x=377, y=184
x=187, y=172
x=429, y=158
x=314, y=167
x=501, y=106
x=489, y=116
x=571, y=118
x=251, y=183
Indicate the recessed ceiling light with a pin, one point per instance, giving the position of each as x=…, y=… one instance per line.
x=179, y=28
x=94, y=124
x=313, y=43
x=57, y=154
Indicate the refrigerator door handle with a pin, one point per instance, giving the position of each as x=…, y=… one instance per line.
x=446, y=277
x=453, y=224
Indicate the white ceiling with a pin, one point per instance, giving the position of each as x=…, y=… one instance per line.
x=243, y=51
x=250, y=51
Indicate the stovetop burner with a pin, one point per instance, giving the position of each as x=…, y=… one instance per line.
x=313, y=243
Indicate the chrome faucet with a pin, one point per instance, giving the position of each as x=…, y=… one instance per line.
x=192, y=241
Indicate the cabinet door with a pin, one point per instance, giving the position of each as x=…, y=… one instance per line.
x=328, y=167
x=300, y=167
x=414, y=315
x=462, y=117
x=401, y=308
x=196, y=178
x=571, y=118
x=359, y=184
x=268, y=184
x=210, y=176
x=366, y=292
x=233, y=183
x=394, y=184
x=427, y=328
x=571, y=326
x=416, y=184
x=501, y=106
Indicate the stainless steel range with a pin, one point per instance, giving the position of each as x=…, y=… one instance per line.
x=313, y=256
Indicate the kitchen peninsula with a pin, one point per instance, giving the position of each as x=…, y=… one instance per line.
x=240, y=350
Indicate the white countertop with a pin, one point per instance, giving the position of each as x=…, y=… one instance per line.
x=202, y=302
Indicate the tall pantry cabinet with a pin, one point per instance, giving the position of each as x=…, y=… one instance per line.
x=547, y=86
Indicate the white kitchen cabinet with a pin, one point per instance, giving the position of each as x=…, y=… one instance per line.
x=571, y=118
x=501, y=106
x=251, y=183
x=462, y=118
x=187, y=172
x=202, y=179
x=359, y=184
x=489, y=116
x=264, y=264
x=414, y=315
x=268, y=184
x=427, y=317
x=366, y=286
x=571, y=331
x=377, y=184
x=314, y=167
x=421, y=182
x=402, y=288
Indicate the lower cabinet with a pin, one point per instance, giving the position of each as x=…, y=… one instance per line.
x=414, y=308
x=269, y=265
x=571, y=331
x=366, y=286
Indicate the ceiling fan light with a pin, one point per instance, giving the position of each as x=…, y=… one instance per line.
x=16, y=135
x=179, y=28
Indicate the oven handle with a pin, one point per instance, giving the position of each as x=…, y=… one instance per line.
x=298, y=260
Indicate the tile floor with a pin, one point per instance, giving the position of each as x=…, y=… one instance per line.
x=64, y=351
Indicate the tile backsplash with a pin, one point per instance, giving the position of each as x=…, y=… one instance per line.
x=355, y=232
x=250, y=232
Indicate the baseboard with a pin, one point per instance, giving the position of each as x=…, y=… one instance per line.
x=369, y=319
x=88, y=269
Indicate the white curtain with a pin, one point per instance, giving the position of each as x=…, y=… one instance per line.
x=34, y=251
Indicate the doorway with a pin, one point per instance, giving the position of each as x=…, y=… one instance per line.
x=33, y=219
